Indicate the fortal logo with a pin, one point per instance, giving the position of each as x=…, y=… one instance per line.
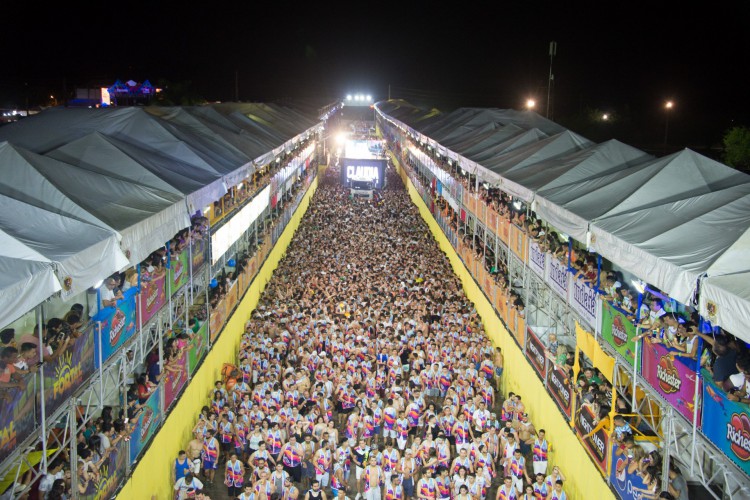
x=738, y=433
x=669, y=378
x=619, y=335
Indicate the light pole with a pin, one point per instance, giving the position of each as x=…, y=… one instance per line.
x=667, y=108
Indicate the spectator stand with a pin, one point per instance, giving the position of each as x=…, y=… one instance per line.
x=426, y=158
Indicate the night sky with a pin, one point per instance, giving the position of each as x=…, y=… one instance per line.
x=490, y=54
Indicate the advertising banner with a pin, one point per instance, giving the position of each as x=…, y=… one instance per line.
x=623, y=481
x=174, y=381
x=726, y=423
x=670, y=377
x=153, y=295
x=558, y=384
x=111, y=473
x=217, y=319
x=584, y=299
x=471, y=204
x=231, y=298
x=117, y=325
x=199, y=254
x=618, y=331
x=501, y=304
x=596, y=444
x=17, y=413
x=197, y=348
x=146, y=424
x=503, y=229
x=518, y=242
x=179, y=272
x=537, y=259
x=65, y=374
x=492, y=218
x=517, y=325
x=488, y=283
x=535, y=353
x=557, y=277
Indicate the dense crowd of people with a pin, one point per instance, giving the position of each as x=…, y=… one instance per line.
x=365, y=372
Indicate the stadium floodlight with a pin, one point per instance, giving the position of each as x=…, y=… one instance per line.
x=341, y=137
x=348, y=97
x=369, y=97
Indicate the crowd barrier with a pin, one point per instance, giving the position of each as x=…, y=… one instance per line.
x=152, y=477
x=584, y=478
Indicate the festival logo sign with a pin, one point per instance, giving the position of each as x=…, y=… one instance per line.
x=153, y=296
x=231, y=298
x=175, y=381
x=626, y=484
x=111, y=474
x=670, y=377
x=557, y=277
x=726, y=423
x=197, y=348
x=146, y=425
x=584, y=300
x=537, y=259
x=179, y=273
x=535, y=353
x=596, y=444
x=65, y=374
x=117, y=325
x=558, y=384
x=501, y=304
x=518, y=242
x=17, y=413
x=618, y=331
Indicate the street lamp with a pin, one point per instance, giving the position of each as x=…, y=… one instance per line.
x=667, y=108
x=530, y=104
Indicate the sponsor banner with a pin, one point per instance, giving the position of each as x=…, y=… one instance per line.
x=557, y=277
x=197, y=348
x=596, y=445
x=618, y=331
x=65, y=374
x=471, y=204
x=501, y=304
x=153, y=295
x=199, y=254
x=117, y=326
x=558, y=384
x=503, y=229
x=146, y=424
x=179, y=272
x=535, y=353
x=175, y=381
x=492, y=218
x=518, y=242
x=231, y=298
x=537, y=259
x=111, y=473
x=489, y=287
x=218, y=317
x=583, y=299
x=624, y=482
x=726, y=423
x=517, y=326
x=17, y=413
x=670, y=377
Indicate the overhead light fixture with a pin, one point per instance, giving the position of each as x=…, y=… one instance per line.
x=639, y=285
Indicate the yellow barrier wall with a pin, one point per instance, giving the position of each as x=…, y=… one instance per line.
x=584, y=481
x=152, y=478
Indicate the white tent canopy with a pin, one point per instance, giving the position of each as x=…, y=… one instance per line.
x=675, y=221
